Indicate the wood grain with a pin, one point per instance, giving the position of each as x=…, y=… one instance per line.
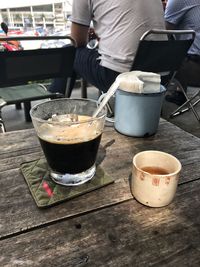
x=127, y=234
x=18, y=210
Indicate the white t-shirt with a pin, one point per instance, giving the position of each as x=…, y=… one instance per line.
x=119, y=25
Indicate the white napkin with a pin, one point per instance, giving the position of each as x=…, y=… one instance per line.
x=139, y=82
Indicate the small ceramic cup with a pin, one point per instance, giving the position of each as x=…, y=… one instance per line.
x=155, y=177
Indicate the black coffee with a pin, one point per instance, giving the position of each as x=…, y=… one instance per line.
x=71, y=158
x=70, y=148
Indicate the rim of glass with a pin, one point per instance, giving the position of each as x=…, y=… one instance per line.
x=101, y=115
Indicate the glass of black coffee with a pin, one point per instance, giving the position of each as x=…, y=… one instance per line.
x=69, y=137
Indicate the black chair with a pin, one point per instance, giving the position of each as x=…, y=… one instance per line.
x=163, y=51
x=20, y=70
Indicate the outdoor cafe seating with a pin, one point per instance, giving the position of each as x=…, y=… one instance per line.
x=23, y=73
x=101, y=222
x=163, y=51
x=166, y=57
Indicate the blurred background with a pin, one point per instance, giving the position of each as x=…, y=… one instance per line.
x=36, y=18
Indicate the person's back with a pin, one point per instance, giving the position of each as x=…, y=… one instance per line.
x=185, y=15
x=119, y=25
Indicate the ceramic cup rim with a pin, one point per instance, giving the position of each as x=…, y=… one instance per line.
x=179, y=166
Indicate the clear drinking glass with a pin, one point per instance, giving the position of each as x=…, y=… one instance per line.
x=69, y=137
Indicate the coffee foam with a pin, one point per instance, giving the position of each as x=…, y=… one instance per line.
x=84, y=131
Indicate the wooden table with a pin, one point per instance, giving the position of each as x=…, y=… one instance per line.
x=106, y=227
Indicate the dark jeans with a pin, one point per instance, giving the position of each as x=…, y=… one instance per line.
x=87, y=66
x=189, y=72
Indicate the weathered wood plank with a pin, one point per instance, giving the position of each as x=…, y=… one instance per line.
x=169, y=138
x=18, y=210
x=17, y=140
x=26, y=139
x=127, y=234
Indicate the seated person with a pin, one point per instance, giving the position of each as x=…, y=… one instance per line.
x=119, y=26
x=184, y=15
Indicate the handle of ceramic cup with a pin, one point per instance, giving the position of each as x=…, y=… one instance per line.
x=100, y=99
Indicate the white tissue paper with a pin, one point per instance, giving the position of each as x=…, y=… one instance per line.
x=139, y=82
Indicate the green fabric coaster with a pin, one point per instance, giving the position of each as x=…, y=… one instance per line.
x=47, y=193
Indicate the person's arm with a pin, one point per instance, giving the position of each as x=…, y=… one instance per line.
x=79, y=33
x=170, y=26
x=174, y=13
